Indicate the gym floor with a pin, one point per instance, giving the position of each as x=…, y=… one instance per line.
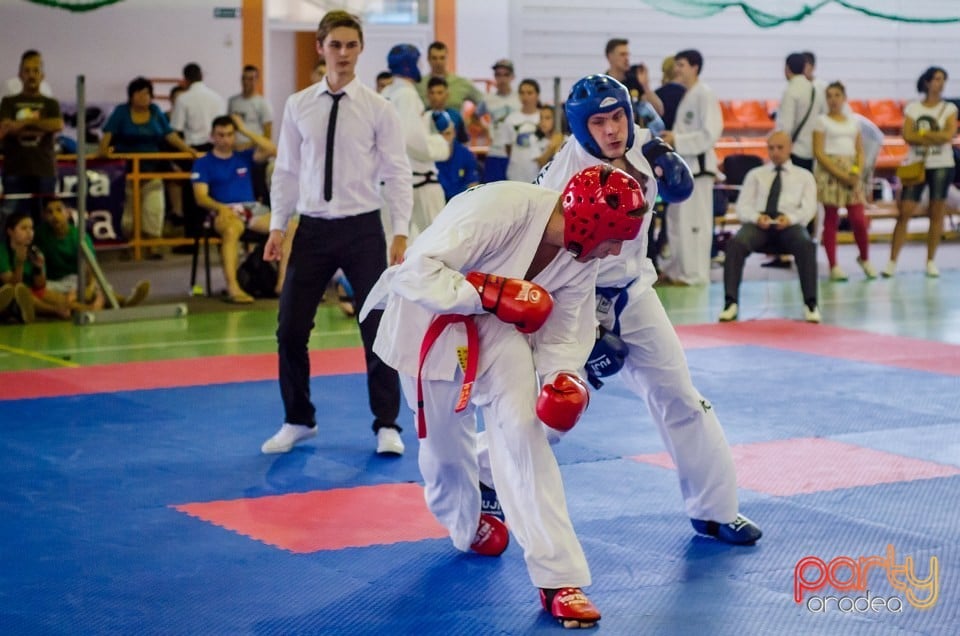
x=135, y=498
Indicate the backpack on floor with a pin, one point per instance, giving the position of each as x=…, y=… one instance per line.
x=256, y=276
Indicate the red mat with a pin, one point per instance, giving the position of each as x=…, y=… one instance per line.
x=824, y=340
x=806, y=465
x=789, y=335
x=326, y=519
x=166, y=374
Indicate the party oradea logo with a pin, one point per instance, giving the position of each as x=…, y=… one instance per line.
x=851, y=578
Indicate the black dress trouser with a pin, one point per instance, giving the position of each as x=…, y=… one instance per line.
x=320, y=246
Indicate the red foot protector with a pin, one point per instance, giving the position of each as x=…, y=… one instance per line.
x=492, y=537
x=570, y=606
x=326, y=519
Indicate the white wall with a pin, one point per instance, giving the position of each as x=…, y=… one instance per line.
x=545, y=38
x=566, y=38
x=112, y=45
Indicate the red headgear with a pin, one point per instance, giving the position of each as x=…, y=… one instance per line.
x=601, y=203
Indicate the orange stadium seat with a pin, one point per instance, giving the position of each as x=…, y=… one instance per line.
x=773, y=107
x=860, y=107
x=730, y=122
x=887, y=114
x=752, y=114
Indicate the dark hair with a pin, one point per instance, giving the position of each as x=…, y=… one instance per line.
x=809, y=57
x=192, y=72
x=382, y=75
x=13, y=219
x=251, y=67
x=54, y=199
x=613, y=43
x=436, y=45
x=136, y=85
x=436, y=81
x=222, y=120
x=631, y=81
x=530, y=82
x=693, y=58
x=29, y=53
x=176, y=90
x=796, y=63
x=928, y=74
x=335, y=19
x=838, y=84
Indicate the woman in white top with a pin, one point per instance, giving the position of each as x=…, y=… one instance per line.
x=519, y=134
x=838, y=149
x=929, y=127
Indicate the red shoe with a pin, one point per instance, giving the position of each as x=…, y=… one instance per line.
x=492, y=537
x=570, y=606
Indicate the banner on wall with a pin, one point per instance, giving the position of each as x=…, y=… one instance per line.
x=105, y=194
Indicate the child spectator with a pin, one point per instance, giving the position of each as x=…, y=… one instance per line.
x=460, y=171
x=548, y=137
x=59, y=241
x=518, y=134
x=22, y=268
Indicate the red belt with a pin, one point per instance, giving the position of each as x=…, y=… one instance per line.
x=469, y=374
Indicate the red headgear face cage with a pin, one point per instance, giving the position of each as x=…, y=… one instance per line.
x=601, y=203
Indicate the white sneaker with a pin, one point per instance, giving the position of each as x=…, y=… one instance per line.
x=837, y=274
x=889, y=270
x=867, y=268
x=287, y=437
x=932, y=271
x=389, y=442
x=811, y=315
x=729, y=313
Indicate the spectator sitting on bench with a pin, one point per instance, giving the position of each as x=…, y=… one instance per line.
x=59, y=240
x=222, y=184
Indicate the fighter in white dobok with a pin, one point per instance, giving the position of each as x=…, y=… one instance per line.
x=492, y=305
x=636, y=337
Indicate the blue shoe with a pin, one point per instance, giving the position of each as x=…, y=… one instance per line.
x=741, y=532
x=489, y=504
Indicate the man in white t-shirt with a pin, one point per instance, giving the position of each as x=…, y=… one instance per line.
x=196, y=108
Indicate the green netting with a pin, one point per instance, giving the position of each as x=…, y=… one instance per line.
x=75, y=5
x=771, y=13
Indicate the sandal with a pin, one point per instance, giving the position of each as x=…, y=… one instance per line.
x=238, y=299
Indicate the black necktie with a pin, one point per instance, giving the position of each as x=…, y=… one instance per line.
x=328, y=162
x=773, y=199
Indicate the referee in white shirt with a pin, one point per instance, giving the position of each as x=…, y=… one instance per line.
x=338, y=141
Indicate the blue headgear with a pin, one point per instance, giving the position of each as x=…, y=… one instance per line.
x=596, y=94
x=402, y=60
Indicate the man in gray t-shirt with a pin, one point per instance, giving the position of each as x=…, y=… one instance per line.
x=257, y=115
x=252, y=107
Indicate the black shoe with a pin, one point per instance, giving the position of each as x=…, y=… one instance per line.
x=777, y=262
x=741, y=532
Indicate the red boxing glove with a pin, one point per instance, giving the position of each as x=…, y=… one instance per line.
x=521, y=303
x=562, y=403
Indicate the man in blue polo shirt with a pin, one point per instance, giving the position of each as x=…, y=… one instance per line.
x=223, y=185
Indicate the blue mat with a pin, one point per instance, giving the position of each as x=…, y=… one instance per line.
x=92, y=545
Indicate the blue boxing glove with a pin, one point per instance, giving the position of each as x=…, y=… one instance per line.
x=674, y=178
x=607, y=358
x=441, y=120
